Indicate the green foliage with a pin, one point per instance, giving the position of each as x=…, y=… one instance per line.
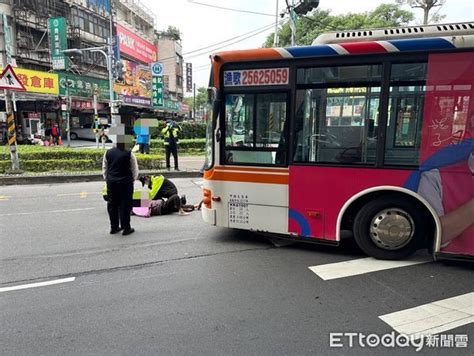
x=201, y=99
x=321, y=21
x=56, y=159
x=190, y=130
x=183, y=146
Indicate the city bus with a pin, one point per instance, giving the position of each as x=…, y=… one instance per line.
x=365, y=134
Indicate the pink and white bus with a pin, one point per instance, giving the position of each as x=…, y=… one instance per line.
x=366, y=131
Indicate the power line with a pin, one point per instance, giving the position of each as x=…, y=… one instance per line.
x=246, y=36
x=230, y=9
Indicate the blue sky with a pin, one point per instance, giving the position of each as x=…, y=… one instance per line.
x=202, y=26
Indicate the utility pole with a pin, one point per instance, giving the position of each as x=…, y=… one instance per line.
x=11, y=129
x=194, y=101
x=275, y=36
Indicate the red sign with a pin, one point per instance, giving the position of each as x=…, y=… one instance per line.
x=136, y=47
x=85, y=105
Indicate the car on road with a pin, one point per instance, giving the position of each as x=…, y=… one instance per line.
x=86, y=132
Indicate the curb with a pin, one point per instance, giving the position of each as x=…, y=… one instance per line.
x=24, y=180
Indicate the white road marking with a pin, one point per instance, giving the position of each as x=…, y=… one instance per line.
x=36, y=285
x=433, y=318
x=361, y=266
x=48, y=212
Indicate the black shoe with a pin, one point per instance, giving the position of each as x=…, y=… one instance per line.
x=183, y=199
x=128, y=231
x=114, y=231
x=176, y=169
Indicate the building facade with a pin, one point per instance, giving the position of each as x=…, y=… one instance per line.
x=171, y=56
x=52, y=81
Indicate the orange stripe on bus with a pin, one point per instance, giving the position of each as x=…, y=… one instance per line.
x=251, y=169
x=245, y=177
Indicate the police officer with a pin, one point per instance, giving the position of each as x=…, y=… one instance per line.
x=120, y=170
x=170, y=135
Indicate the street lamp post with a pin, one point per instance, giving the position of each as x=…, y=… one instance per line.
x=109, y=58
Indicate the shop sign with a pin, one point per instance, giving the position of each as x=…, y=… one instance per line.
x=33, y=115
x=158, y=92
x=83, y=87
x=38, y=82
x=85, y=105
x=136, y=86
x=58, y=42
x=136, y=47
x=172, y=105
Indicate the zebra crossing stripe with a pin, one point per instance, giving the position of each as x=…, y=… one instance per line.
x=433, y=318
x=362, y=266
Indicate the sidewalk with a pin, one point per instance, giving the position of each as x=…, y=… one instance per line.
x=189, y=168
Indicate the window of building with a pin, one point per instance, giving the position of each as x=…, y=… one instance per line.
x=255, y=126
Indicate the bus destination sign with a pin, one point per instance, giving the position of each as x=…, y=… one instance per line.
x=254, y=77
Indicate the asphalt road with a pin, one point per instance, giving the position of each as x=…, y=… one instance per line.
x=178, y=286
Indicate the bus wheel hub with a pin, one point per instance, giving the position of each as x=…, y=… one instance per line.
x=391, y=229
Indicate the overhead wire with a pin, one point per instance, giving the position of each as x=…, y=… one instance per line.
x=230, y=9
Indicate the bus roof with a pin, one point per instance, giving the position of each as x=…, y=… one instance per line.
x=452, y=36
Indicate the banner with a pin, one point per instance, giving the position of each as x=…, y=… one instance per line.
x=83, y=87
x=7, y=30
x=136, y=87
x=58, y=42
x=136, y=47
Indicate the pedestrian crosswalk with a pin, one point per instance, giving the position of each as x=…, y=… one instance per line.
x=416, y=322
x=362, y=266
x=433, y=318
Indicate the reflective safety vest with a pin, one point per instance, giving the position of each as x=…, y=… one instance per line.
x=156, y=184
x=166, y=132
x=104, y=191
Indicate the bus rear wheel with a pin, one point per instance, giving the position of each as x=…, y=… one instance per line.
x=389, y=228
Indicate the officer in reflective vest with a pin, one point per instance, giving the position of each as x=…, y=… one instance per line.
x=170, y=136
x=160, y=187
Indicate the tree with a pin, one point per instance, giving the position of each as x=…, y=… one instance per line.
x=426, y=6
x=174, y=33
x=321, y=21
x=201, y=99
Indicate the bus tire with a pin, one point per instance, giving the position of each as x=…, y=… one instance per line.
x=389, y=228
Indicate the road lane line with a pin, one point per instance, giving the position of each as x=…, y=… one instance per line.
x=433, y=318
x=361, y=266
x=48, y=212
x=4, y=198
x=36, y=285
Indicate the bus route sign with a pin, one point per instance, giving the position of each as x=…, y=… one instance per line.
x=256, y=77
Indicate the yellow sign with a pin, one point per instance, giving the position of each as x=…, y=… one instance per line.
x=38, y=82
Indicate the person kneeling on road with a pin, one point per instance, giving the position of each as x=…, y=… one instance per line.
x=161, y=188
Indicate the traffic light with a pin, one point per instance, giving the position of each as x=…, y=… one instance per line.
x=119, y=70
x=306, y=6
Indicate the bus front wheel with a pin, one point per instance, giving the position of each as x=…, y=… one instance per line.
x=389, y=228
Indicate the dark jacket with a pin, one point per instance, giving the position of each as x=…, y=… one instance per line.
x=118, y=166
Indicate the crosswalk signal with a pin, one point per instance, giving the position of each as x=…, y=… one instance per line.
x=119, y=70
x=306, y=6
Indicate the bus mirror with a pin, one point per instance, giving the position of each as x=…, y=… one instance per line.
x=211, y=94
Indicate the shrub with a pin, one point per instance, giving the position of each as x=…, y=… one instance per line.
x=50, y=159
x=190, y=129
